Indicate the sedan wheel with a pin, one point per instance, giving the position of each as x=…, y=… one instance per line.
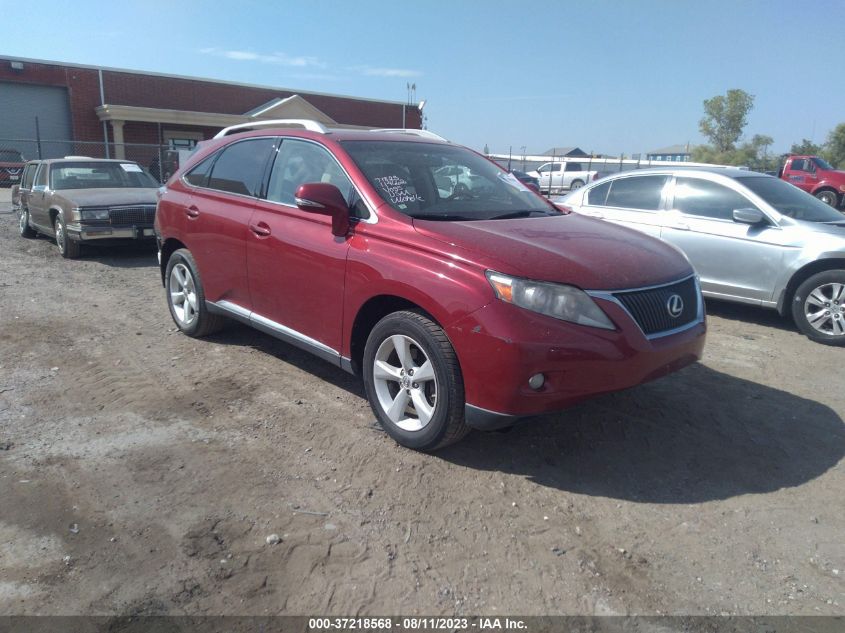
x=819, y=307
x=23, y=225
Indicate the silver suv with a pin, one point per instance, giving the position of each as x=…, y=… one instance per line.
x=752, y=238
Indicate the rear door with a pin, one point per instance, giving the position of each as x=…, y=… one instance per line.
x=217, y=214
x=38, y=199
x=733, y=259
x=634, y=201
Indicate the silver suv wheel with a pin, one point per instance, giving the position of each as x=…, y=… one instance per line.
x=404, y=382
x=183, y=295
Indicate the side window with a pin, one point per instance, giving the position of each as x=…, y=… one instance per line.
x=556, y=167
x=299, y=162
x=28, y=176
x=799, y=164
x=41, y=176
x=597, y=195
x=543, y=169
x=638, y=192
x=574, y=167
x=198, y=176
x=707, y=199
x=240, y=167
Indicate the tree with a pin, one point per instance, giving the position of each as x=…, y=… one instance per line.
x=806, y=147
x=835, y=146
x=725, y=117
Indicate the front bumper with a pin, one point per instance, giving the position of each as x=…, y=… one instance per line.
x=500, y=346
x=83, y=233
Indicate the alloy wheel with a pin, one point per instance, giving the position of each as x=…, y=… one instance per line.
x=824, y=309
x=183, y=295
x=60, y=235
x=23, y=221
x=404, y=381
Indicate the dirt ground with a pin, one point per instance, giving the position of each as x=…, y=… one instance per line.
x=141, y=472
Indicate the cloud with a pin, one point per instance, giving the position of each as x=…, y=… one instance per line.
x=388, y=72
x=280, y=59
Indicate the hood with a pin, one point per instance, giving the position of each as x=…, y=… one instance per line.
x=573, y=249
x=835, y=229
x=836, y=175
x=109, y=197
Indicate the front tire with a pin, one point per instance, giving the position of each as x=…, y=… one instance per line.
x=24, y=228
x=68, y=248
x=414, y=383
x=818, y=307
x=186, y=297
x=828, y=197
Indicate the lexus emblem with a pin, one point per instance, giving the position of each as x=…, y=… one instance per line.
x=675, y=306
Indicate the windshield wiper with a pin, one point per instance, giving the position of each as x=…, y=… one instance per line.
x=520, y=214
x=448, y=217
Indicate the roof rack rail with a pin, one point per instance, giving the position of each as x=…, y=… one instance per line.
x=423, y=133
x=306, y=124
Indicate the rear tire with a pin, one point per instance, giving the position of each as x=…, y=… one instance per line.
x=24, y=228
x=186, y=297
x=818, y=307
x=68, y=248
x=414, y=383
x=828, y=197
x=576, y=184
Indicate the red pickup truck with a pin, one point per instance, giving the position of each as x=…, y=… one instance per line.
x=816, y=176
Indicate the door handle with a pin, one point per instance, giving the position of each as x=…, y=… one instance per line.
x=262, y=229
x=192, y=212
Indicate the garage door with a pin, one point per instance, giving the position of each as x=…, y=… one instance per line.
x=21, y=103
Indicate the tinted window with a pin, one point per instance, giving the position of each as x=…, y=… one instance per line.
x=822, y=163
x=240, y=167
x=707, y=199
x=300, y=162
x=799, y=164
x=790, y=200
x=597, y=195
x=198, y=176
x=641, y=192
x=41, y=178
x=574, y=167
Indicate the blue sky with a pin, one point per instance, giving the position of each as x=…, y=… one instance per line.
x=608, y=76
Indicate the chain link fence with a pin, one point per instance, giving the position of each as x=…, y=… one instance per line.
x=160, y=160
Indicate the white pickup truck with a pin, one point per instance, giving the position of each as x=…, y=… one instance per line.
x=563, y=176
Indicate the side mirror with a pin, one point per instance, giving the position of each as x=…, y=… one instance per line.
x=749, y=216
x=325, y=199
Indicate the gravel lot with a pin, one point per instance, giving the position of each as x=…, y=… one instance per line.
x=141, y=472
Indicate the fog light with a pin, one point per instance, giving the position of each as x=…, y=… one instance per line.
x=536, y=381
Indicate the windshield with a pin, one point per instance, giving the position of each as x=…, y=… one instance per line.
x=443, y=182
x=821, y=163
x=99, y=176
x=790, y=200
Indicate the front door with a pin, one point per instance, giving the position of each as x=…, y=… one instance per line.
x=733, y=259
x=296, y=266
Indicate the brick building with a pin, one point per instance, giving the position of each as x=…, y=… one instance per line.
x=107, y=110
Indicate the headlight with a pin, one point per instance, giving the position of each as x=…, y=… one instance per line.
x=567, y=303
x=94, y=214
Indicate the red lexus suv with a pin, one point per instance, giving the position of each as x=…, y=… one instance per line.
x=463, y=298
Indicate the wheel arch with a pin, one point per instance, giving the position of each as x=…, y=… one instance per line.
x=370, y=313
x=804, y=273
x=168, y=247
